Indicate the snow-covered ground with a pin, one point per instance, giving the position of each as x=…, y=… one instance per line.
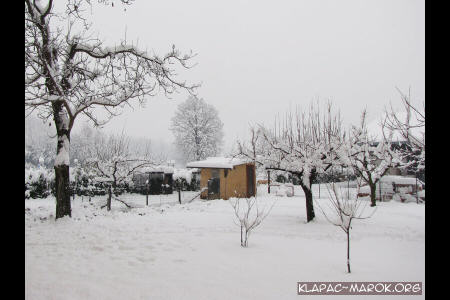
x=192, y=250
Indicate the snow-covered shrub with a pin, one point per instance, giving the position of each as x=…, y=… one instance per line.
x=38, y=182
x=286, y=189
x=281, y=191
x=289, y=189
x=281, y=178
x=186, y=179
x=422, y=194
x=404, y=196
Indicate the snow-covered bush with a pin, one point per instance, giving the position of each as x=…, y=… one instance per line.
x=38, y=182
x=422, y=195
x=186, y=179
x=281, y=178
x=83, y=180
x=286, y=189
x=281, y=191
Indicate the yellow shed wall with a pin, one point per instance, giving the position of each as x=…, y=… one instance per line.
x=234, y=185
x=205, y=175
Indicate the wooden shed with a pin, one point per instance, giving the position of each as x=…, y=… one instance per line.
x=154, y=180
x=224, y=178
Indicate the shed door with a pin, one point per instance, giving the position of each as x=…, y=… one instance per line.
x=156, y=181
x=214, y=188
x=250, y=180
x=214, y=185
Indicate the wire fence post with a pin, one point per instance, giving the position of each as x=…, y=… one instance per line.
x=319, y=189
x=379, y=188
x=417, y=191
x=147, y=189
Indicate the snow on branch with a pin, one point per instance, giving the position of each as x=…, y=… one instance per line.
x=67, y=65
x=303, y=143
x=410, y=123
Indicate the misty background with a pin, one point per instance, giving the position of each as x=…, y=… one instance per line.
x=257, y=59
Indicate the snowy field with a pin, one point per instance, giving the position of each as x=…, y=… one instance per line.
x=192, y=250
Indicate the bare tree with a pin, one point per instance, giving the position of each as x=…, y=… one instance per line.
x=39, y=143
x=342, y=211
x=197, y=129
x=115, y=164
x=84, y=142
x=249, y=215
x=303, y=144
x=409, y=122
x=369, y=159
x=69, y=73
x=253, y=150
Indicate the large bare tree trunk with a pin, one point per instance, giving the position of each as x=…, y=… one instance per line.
x=108, y=203
x=373, y=188
x=62, y=191
x=62, y=187
x=309, y=202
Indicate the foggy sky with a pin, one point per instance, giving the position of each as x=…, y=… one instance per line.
x=259, y=58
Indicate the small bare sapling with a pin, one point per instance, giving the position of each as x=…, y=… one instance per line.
x=248, y=215
x=341, y=211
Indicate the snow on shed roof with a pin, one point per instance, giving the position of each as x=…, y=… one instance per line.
x=400, y=179
x=161, y=168
x=216, y=162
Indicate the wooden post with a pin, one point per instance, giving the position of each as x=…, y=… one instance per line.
x=268, y=181
x=108, y=204
x=148, y=190
x=417, y=191
x=319, y=189
x=179, y=195
x=379, y=188
x=146, y=197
